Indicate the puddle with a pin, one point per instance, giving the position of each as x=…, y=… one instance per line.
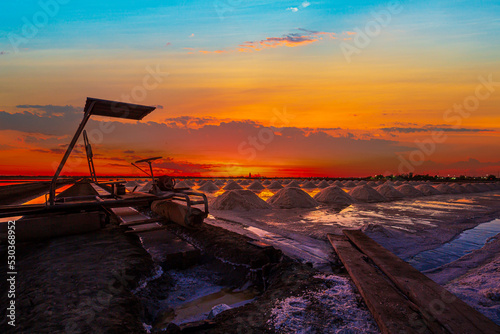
x=200, y=308
x=465, y=243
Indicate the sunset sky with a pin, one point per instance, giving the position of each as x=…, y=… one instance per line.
x=276, y=88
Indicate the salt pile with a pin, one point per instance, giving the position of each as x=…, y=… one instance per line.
x=182, y=184
x=459, y=188
x=256, y=185
x=366, y=194
x=147, y=187
x=266, y=182
x=323, y=184
x=349, y=184
x=231, y=185
x=427, y=190
x=244, y=183
x=201, y=182
x=389, y=192
x=209, y=187
x=333, y=195
x=372, y=184
x=309, y=185
x=482, y=187
x=189, y=183
x=239, y=200
x=409, y=190
x=446, y=189
x=275, y=185
x=131, y=184
x=288, y=198
x=362, y=182
x=338, y=183
x=471, y=188
x=293, y=184
x=220, y=183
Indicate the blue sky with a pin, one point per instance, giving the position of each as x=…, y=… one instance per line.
x=240, y=60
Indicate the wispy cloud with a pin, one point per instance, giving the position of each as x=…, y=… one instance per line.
x=303, y=5
x=428, y=128
x=303, y=37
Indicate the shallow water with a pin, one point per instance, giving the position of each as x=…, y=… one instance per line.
x=466, y=242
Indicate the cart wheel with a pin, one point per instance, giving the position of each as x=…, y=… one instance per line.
x=166, y=183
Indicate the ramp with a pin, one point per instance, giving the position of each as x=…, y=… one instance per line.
x=435, y=309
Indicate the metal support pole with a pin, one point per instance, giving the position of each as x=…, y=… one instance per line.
x=155, y=190
x=52, y=192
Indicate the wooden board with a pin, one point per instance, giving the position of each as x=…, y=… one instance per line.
x=142, y=222
x=432, y=299
x=392, y=311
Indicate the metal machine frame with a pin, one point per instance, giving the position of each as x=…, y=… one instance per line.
x=105, y=201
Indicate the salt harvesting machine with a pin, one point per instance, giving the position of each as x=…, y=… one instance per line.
x=76, y=211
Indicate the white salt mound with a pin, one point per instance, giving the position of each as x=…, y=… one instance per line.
x=471, y=188
x=239, y=200
x=427, y=190
x=349, y=184
x=482, y=187
x=459, y=188
x=131, y=184
x=333, y=195
x=389, y=192
x=275, y=185
x=446, y=189
x=293, y=184
x=209, y=187
x=189, y=183
x=409, y=191
x=366, y=194
x=256, y=185
x=147, y=187
x=181, y=184
x=288, y=198
x=220, y=183
x=309, y=185
x=323, y=184
x=231, y=185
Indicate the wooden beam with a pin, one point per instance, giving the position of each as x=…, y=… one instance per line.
x=433, y=300
x=393, y=313
x=142, y=222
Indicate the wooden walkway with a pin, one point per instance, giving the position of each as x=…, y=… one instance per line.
x=401, y=298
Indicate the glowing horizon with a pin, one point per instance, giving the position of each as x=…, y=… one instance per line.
x=275, y=89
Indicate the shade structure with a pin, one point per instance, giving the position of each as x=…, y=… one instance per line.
x=117, y=109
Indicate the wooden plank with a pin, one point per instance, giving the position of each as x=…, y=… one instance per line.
x=435, y=301
x=391, y=310
x=153, y=228
x=142, y=222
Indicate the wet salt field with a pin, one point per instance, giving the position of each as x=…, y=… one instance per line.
x=466, y=242
x=408, y=226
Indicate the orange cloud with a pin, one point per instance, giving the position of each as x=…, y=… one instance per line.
x=290, y=40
